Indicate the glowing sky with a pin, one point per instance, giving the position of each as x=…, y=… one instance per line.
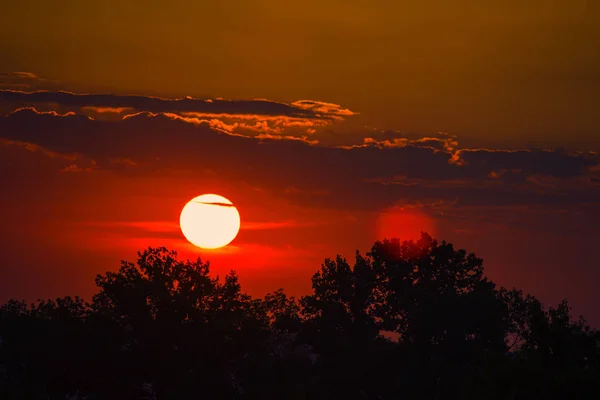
x=327, y=123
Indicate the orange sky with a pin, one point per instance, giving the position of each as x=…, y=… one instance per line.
x=476, y=123
x=498, y=69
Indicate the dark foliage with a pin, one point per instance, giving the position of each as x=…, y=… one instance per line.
x=408, y=320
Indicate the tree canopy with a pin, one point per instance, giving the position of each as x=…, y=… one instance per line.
x=411, y=319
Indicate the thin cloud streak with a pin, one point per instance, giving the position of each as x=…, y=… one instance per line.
x=303, y=109
x=172, y=226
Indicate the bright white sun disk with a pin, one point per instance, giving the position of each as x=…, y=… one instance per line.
x=210, y=221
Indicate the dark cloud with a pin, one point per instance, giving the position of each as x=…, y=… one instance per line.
x=301, y=109
x=367, y=177
x=257, y=118
x=556, y=163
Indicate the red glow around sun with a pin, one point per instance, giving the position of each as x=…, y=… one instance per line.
x=403, y=223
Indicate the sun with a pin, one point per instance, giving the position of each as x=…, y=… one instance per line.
x=209, y=221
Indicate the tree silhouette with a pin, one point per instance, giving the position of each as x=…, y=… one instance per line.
x=182, y=325
x=409, y=319
x=341, y=326
x=434, y=297
x=557, y=357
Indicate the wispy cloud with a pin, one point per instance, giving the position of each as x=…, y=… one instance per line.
x=21, y=80
x=173, y=226
x=253, y=225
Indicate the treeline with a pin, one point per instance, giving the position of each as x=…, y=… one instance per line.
x=408, y=320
